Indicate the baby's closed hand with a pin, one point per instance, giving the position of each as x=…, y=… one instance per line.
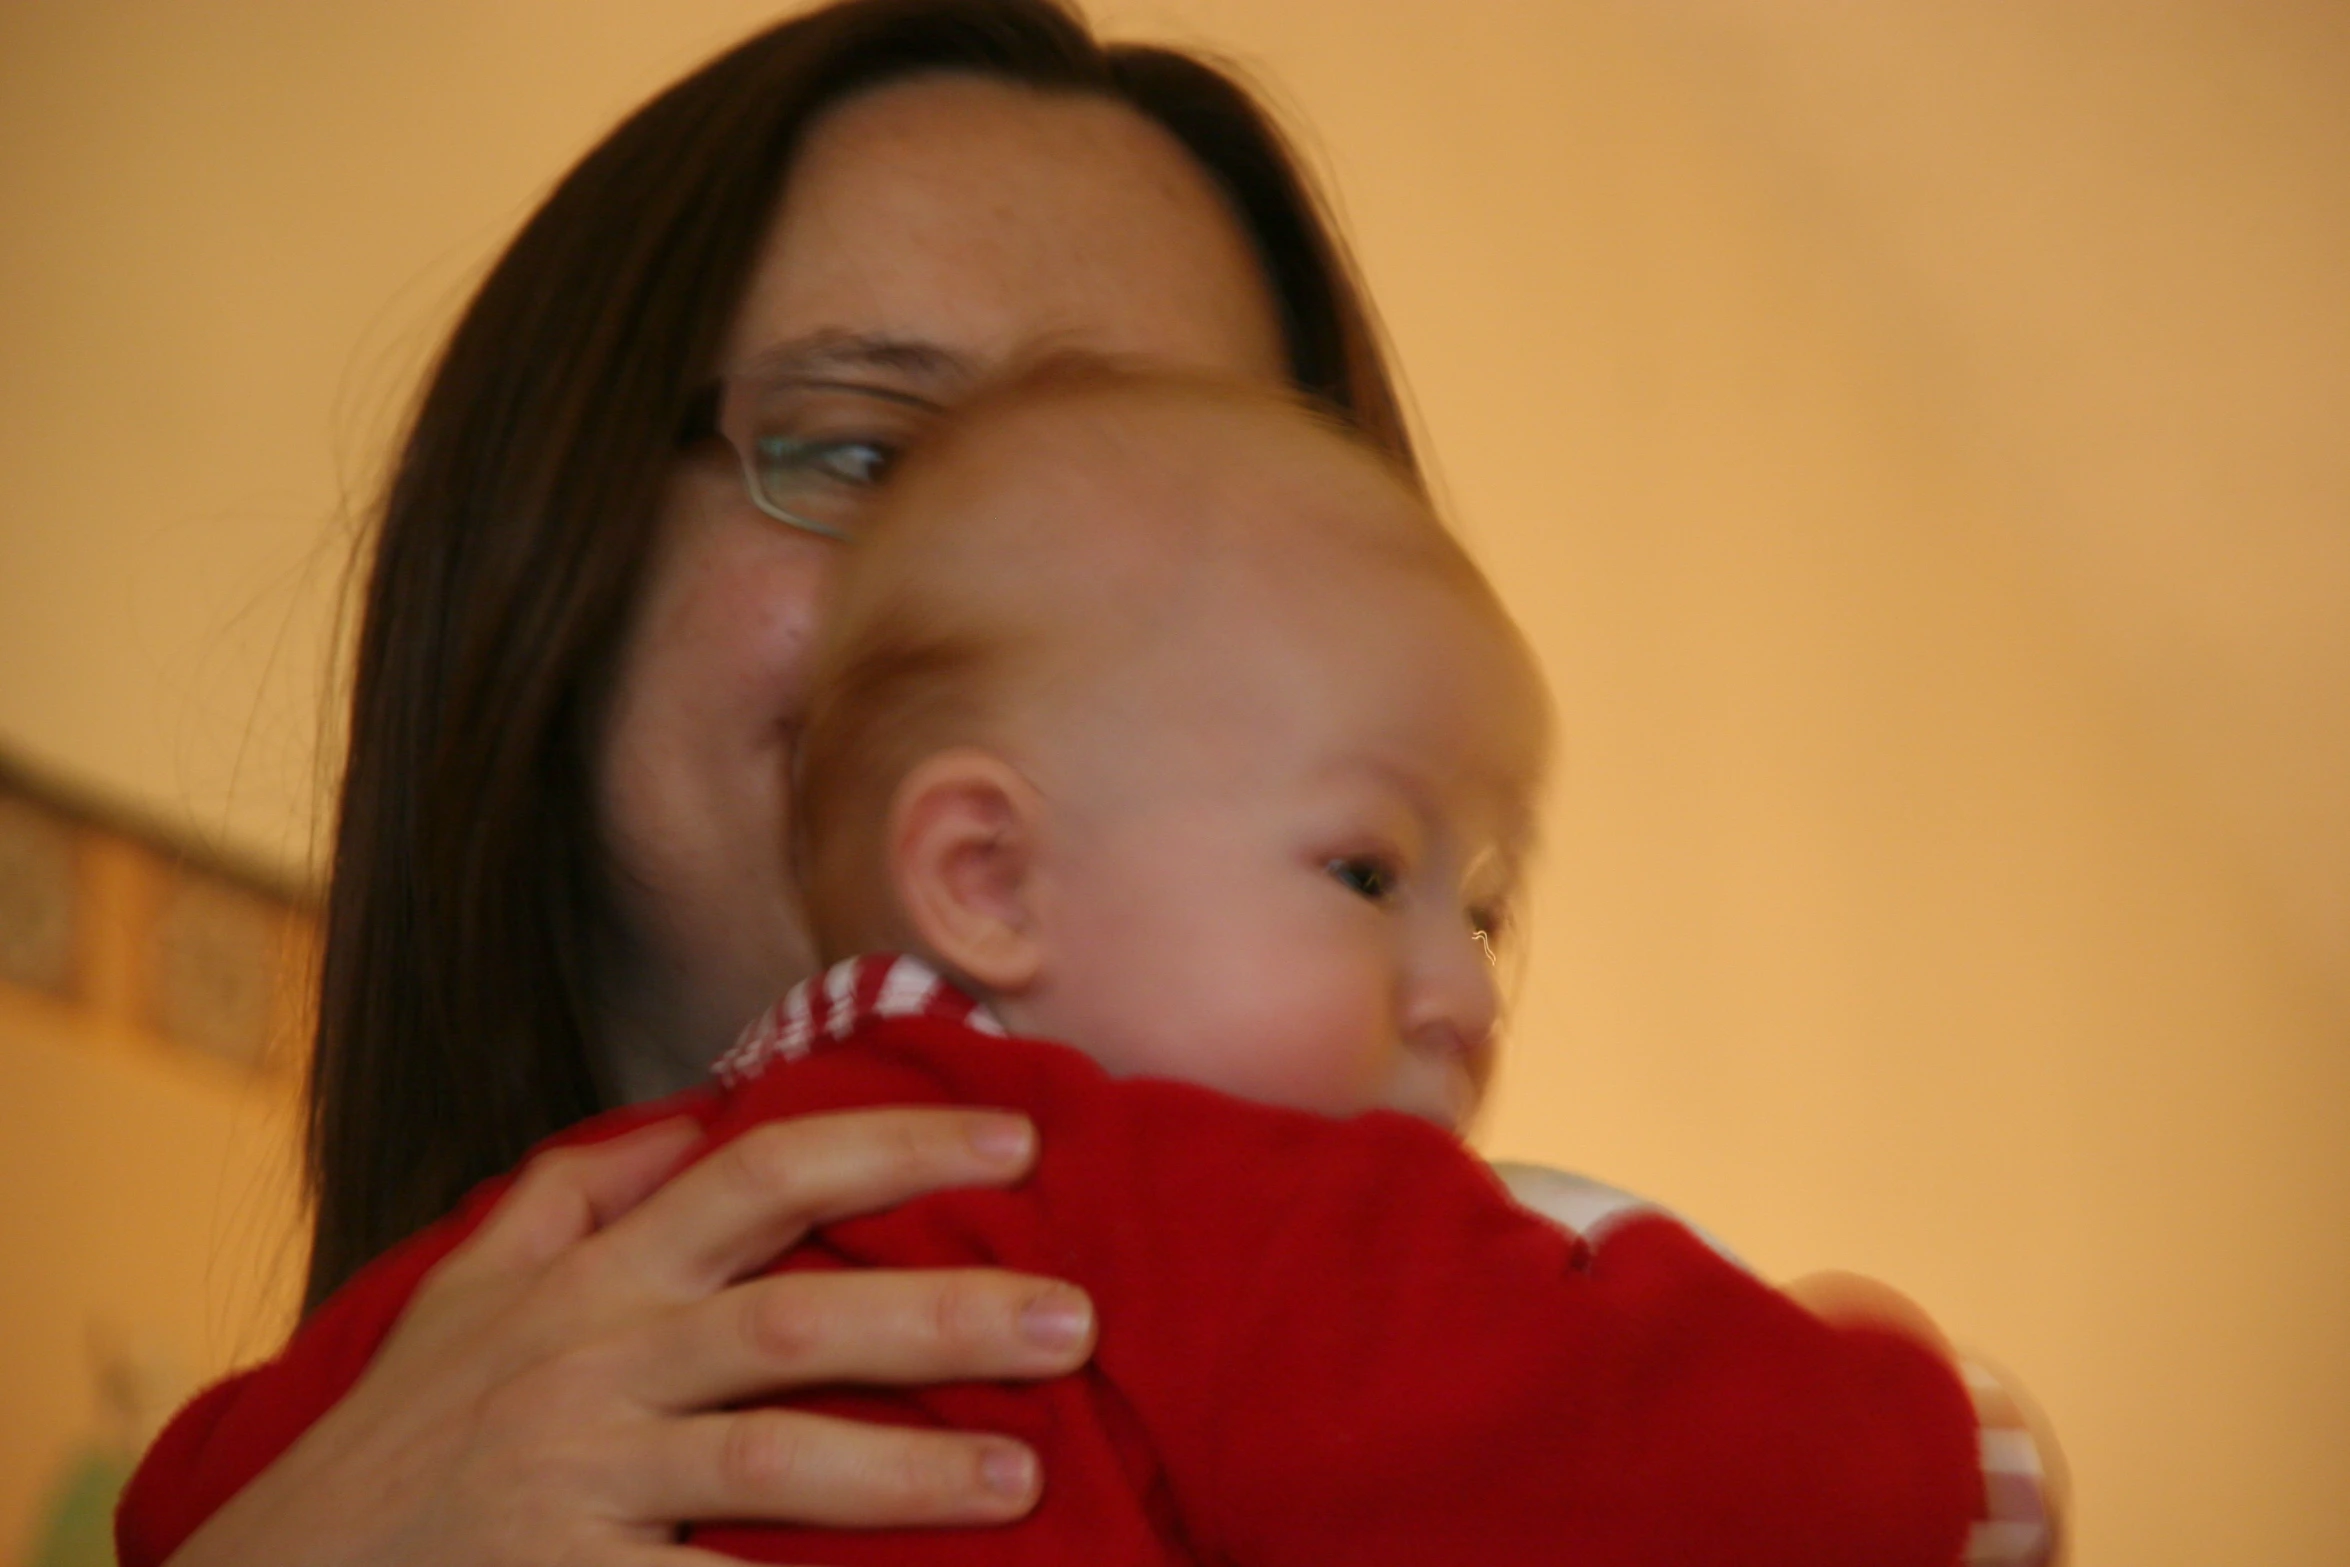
x=1852, y=1300
x=2023, y=1469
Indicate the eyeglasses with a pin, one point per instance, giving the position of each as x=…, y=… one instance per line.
x=813, y=450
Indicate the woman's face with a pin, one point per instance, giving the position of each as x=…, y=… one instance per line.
x=930, y=232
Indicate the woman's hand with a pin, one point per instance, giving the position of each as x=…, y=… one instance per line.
x=554, y=1391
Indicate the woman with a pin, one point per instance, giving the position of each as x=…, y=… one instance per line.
x=560, y=877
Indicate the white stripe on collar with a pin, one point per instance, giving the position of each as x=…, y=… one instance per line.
x=833, y=1004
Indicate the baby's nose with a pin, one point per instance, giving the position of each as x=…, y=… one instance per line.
x=1448, y=1059
x=1459, y=1005
x=1449, y=1037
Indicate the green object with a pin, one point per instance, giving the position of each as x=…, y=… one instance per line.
x=77, y=1530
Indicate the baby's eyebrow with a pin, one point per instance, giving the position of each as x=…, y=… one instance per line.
x=1375, y=767
x=1398, y=781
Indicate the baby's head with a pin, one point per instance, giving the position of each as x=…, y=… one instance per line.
x=1164, y=715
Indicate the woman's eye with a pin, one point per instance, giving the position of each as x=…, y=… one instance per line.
x=817, y=449
x=1368, y=878
x=790, y=461
x=857, y=462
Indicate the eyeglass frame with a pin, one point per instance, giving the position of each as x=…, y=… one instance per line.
x=712, y=414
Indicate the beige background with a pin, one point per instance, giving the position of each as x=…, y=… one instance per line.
x=1913, y=433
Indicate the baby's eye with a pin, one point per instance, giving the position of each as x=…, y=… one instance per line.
x=1366, y=876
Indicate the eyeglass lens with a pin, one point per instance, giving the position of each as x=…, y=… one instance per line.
x=813, y=451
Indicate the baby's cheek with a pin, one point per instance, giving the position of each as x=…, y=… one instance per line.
x=1263, y=1010
x=1319, y=1047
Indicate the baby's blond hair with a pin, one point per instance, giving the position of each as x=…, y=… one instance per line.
x=997, y=571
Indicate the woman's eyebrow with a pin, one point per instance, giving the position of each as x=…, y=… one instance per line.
x=835, y=351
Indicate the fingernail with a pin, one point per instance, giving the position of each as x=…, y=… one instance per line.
x=1008, y=1471
x=1058, y=1319
x=1003, y=1139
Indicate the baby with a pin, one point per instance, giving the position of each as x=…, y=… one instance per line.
x=1160, y=718
x=1169, y=723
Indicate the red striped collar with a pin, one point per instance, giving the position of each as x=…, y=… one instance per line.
x=833, y=1004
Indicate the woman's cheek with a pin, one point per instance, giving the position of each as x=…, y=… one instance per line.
x=731, y=611
x=695, y=760
x=754, y=612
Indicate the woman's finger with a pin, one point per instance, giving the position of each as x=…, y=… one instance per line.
x=878, y=1328
x=751, y=1200
x=567, y=1194
x=831, y=1473
x=639, y=1554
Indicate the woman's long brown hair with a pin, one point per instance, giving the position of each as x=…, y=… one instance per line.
x=471, y=902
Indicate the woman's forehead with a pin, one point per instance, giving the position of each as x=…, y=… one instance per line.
x=956, y=223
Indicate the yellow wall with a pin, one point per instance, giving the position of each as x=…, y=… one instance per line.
x=148, y=1229
x=149, y=1010
x=1912, y=434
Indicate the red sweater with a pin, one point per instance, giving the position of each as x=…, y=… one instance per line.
x=1321, y=1341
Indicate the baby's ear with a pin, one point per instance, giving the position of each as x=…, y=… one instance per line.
x=962, y=855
